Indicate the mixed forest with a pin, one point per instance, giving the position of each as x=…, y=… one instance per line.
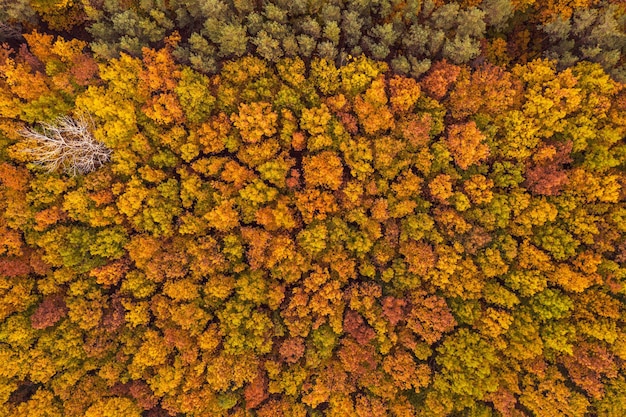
x=308, y=208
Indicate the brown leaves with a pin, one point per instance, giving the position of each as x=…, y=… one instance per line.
x=355, y=326
x=15, y=266
x=50, y=311
x=13, y=177
x=589, y=365
x=415, y=128
x=546, y=175
x=84, y=69
x=292, y=349
x=256, y=392
x=394, y=309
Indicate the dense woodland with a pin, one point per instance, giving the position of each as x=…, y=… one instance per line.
x=357, y=208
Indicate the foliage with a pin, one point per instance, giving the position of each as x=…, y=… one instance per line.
x=285, y=229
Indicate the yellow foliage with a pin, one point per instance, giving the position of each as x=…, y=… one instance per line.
x=223, y=217
x=254, y=121
x=371, y=108
x=114, y=407
x=324, y=169
x=441, y=187
x=404, y=93
x=184, y=289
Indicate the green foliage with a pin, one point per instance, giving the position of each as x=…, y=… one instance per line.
x=594, y=34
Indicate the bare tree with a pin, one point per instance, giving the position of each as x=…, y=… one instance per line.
x=67, y=144
x=8, y=31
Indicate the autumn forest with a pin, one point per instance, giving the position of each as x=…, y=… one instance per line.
x=309, y=208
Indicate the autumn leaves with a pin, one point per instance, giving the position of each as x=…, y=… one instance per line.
x=306, y=238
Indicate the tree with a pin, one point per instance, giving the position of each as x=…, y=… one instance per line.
x=255, y=121
x=49, y=312
x=548, y=391
x=468, y=363
x=439, y=79
x=464, y=142
x=68, y=145
x=233, y=40
x=324, y=169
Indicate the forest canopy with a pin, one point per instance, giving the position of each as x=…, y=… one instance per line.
x=313, y=208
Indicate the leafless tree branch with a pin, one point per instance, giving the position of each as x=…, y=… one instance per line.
x=66, y=144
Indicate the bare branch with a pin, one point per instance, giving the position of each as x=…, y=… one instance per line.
x=66, y=144
x=8, y=31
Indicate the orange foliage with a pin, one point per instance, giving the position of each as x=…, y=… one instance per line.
x=343, y=241
x=465, y=144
